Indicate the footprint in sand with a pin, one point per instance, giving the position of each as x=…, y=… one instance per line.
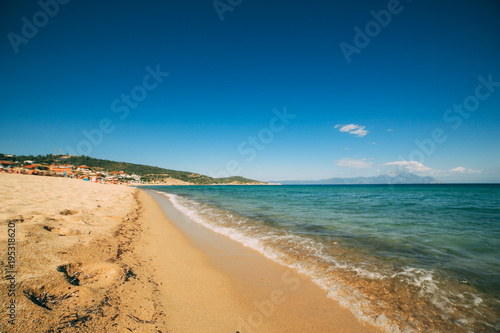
x=68, y=212
x=62, y=231
x=94, y=274
x=47, y=297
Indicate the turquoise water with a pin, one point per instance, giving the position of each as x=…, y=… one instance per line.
x=403, y=257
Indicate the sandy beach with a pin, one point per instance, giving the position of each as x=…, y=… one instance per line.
x=92, y=257
x=75, y=268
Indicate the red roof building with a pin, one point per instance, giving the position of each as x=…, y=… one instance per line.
x=64, y=167
x=5, y=165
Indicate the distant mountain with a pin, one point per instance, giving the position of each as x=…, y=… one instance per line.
x=393, y=177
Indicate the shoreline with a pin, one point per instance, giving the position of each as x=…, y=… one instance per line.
x=265, y=295
x=229, y=184
x=93, y=257
x=390, y=280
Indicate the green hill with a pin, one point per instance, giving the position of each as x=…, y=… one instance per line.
x=147, y=172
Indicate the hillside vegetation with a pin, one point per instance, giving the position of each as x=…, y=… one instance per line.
x=147, y=172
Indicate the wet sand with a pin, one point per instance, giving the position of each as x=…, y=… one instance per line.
x=91, y=257
x=222, y=286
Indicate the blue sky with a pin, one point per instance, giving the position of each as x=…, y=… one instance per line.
x=275, y=90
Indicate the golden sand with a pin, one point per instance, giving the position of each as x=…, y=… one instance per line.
x=92, y=257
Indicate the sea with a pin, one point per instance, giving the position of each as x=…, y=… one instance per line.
x=406, y=258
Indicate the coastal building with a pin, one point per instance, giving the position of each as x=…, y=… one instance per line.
x=119, y=174
x=5, y=165
x=84, y=169
x=64, y=170
x=36, y=169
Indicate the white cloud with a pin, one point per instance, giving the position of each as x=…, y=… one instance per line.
x=354, y=129
x=464, y=170
x=361, y=132
x=348, y=128
x=390, y=130
x=355, y=164
x=346, y=148
x=410, y=166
